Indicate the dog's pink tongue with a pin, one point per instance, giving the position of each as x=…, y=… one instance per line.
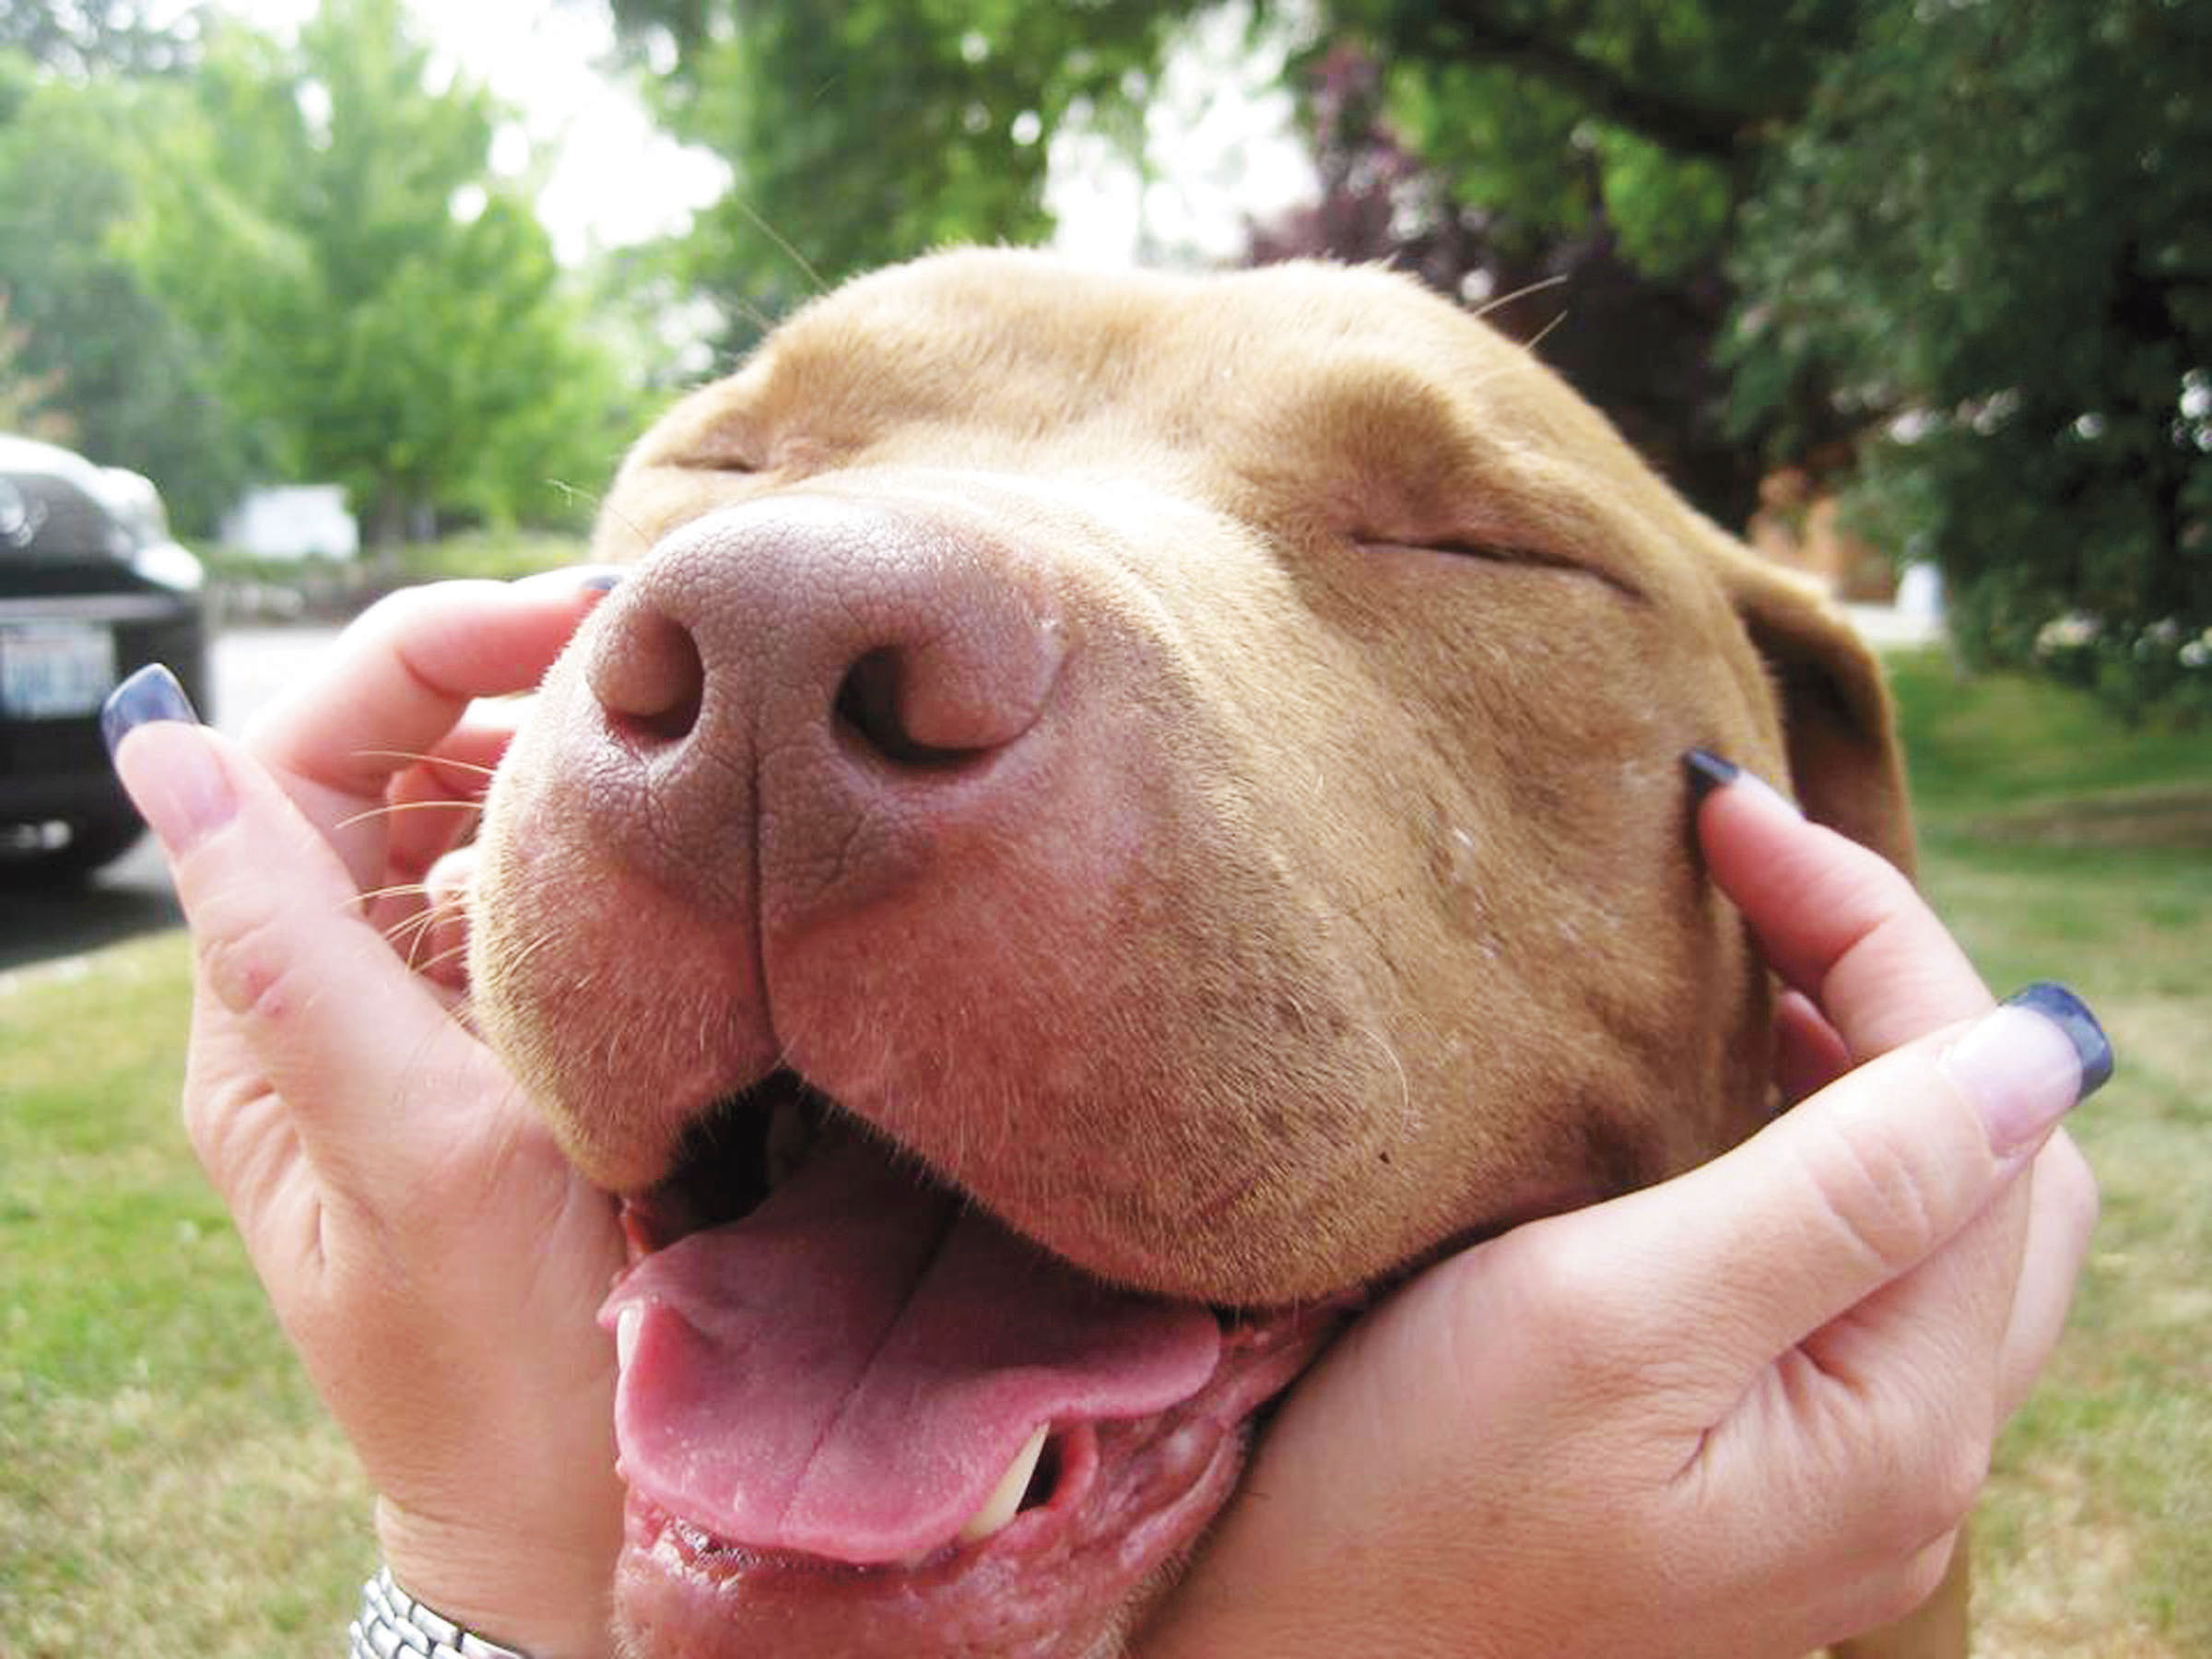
x=849, y=1371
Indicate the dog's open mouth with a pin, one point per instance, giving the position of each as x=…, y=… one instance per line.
x=847, y=1392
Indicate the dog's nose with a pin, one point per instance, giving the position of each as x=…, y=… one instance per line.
x=833, y=678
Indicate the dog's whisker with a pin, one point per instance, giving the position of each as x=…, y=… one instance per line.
x=1390, y=1052
x=420, y=758
x=782, y=243
x=600, y=505
x=406, y=935
x=451, y=953
x=528, y=949
x=1544, y=332
x=1358, y=910
x=391, y=807
x=637, y=531
x=1523, y=293
x=755, y=315
x=411, y=928
x=398, y=889
x=572, y=494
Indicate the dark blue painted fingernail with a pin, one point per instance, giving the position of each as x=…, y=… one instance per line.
x=2072, y=1016
x=150, y=694
x=1707, y=773
x=600, y=581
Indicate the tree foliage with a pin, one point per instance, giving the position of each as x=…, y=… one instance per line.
x=81, y=37
x=27, y=403
x=1543, y=261
x=378, y=302
x=131, y=383
x=1649, y=117
x=1990, y=242
x=875, y=131
x=297, y=262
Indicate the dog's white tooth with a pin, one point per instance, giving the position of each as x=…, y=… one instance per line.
x=1005, y=1497
x=626, y=1334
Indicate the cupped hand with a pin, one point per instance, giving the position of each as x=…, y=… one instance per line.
x=427, y=1249
x=1742, y=1412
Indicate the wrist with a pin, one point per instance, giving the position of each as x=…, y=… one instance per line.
x=391, y=1623
x=543, y=1603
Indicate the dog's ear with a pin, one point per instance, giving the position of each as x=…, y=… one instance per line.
x=1846, y=766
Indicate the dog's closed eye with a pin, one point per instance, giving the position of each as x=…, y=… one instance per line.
x=1498, y=553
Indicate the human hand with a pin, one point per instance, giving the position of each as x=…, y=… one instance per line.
x=427, y=1249
x=1743, y=1412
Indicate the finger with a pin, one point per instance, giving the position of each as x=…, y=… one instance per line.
x=1810, y=1053
x=1782, y=1235
x=1837, y=921
x=364, y=1056
x=2062, y=1214
x=398, y=682
x=433, y=806
x=1917, y=1361
x=429, y=810
x=442, y=954
x=1892, y=1591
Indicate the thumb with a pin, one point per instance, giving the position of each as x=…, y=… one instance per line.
x=1854, y=1187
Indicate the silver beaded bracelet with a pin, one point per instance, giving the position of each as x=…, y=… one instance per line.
x=393, y=1622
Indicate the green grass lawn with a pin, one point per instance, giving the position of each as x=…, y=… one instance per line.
x=167, y=1482
x=2060, y=845
x=168, y=1486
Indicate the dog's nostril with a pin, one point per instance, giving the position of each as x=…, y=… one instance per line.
x=654, y=683
x=870, y=710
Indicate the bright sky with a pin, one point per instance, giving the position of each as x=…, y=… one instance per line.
x=610, y=177
x=1218, y=136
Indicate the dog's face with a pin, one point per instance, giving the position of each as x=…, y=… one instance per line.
x=1113, y=816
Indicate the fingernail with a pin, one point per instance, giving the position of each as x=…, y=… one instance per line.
x=152, y=693
x=2072, y=1016
x=1708, y=771
x=2027, y=1063
x=593, y=580
x=173, y=777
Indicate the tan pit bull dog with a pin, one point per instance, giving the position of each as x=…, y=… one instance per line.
x=1111, y=816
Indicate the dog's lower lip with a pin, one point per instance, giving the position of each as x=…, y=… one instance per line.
x=1130, y=1496
x=1077, y=1464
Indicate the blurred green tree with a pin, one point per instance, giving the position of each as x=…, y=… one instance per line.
x=83, y=37
x=1989, y=243
x=135, y=387
x=26, y=398
x=373, y=297
x=875, y=131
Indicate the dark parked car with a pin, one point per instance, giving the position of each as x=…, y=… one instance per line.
x=91, y=587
